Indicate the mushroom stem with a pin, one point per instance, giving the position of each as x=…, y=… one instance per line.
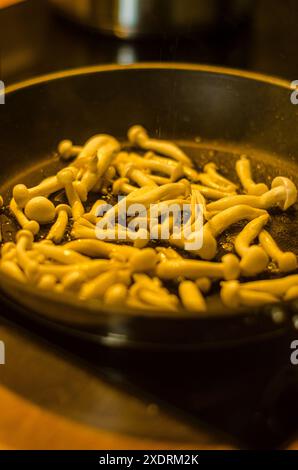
x=22, y=220
x=291, y=293
x=211, y=170
x=211, y=193
x=60, y=253
x=234, y=295
x=276, y=287
x=88, y=180
x=191, y=297
x=286, y=261
x=11, y=269
x=254, y=258
x=96, y=288
x=58, y=229
x=137, y=135
x=66, y=178
x=22, y=194
x=243, y=169
x=90, y=269
x=24, y=239
x=192, y=269
x=99, y=248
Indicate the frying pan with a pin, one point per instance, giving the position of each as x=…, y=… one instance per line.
x=214, y=114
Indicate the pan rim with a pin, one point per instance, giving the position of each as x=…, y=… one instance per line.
x=97, y=307
x=73, y=72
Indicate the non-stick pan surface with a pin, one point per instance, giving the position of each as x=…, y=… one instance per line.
x=215, y=114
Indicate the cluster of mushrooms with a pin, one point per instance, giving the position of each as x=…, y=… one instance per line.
x=140, y=274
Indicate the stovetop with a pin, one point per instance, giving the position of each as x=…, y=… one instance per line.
x=249, y=394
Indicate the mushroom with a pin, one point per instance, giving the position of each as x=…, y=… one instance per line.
x=96, y=288
x=73, y=281
x=99, y=248
x=234, y=295
x=91, y=148
x=165, y=253
x=211, y=170
x=216, y=226
x=8, y=251
x=66, y=178
x=193, y=269
x=204, y=284
x=286, y=261
x=23, y=221
x=137, y=135
x=253, y=258
x=276, y=287
x=57, y=231
x=67, y=150
x=116, y=295
x=60, y=253
x=291, y=293
x=161, y=165
x=143, y=260
x=283, y=194
x=243, y=169
x=191, y=297
x=211, y=193
x=121, y=185
x=22, y=194
x=90, y=269
x=24, y=242
x=40, y=209
x=149, y=292
x=11, y=269
x=107, y=180
x=47, y=282
x=89, y=179
x=134, y=174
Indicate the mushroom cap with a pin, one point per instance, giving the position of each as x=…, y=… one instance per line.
x=137, y=134
x=229, y=294
x=40, y=209
x=287, y=262
x=231, y=267
x=65, y=148
x=65, y=176
x=210, y=166
x=21, y=195
x=290, y=191
x=254, y=261
x=63, y=207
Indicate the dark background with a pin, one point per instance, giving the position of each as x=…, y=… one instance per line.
x=35, y=40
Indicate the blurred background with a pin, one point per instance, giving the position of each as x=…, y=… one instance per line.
x=40, y=36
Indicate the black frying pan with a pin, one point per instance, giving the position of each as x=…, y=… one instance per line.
x=205, y=109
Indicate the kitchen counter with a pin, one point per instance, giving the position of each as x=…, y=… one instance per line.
x=54, y=391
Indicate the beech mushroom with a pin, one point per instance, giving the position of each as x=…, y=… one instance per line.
x=22, y=194
x=283, y=194
x=286, y=261
x=11, y=269
x=138, y=136
x=211, y=193
x=191, y=297
x=24, y=242
x=66, y=178
x=211, y=170
x=234, y=295
x=276, y=287
x=67, y=150
x=192, y=269
x=60, y=253
x=96, y=288
x=57, y=231
x=116, y=295
x=243, y=169
x=292, y=293
x=254, y=258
